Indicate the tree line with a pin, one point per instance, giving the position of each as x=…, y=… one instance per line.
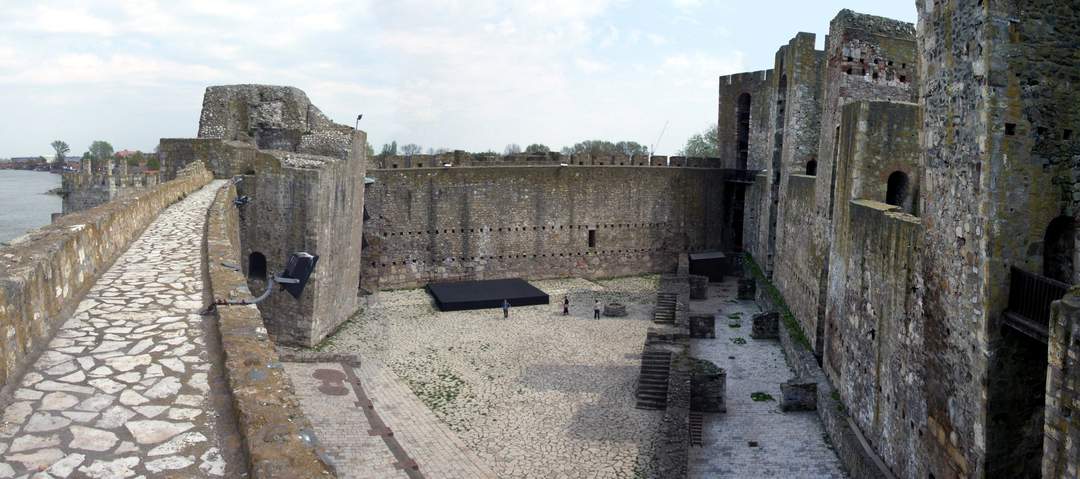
x=101, y=150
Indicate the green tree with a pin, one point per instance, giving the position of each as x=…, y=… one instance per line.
x=101, y=150
x=153, y=164
x=512, y=149
x=369, y=150
x=537, y=149
x=389, y=149
x=136, y=159
x=704, y=144
x=62, y=150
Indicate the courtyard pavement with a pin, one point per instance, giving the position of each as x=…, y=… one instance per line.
x=126, y=387
x=754, y=438
x=539, y=395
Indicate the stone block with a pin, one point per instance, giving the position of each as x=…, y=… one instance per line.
x=798, y=395
x=699, y=286
x=747, y=289
x=766, y=325
x=702, y=325
x=708, y=385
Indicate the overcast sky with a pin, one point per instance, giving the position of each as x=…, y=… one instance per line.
x=465, y=74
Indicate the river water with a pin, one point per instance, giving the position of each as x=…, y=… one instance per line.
x=24, y=202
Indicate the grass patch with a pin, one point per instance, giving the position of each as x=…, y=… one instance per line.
x=735, y=316
x=785, y=313
x=739, y=341
x=734, y=325
x=761, y=397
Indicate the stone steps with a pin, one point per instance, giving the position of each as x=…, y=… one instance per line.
x=653, y=380
x=697, y=423
x=665, y=308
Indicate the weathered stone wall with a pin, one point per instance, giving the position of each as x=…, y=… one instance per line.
x=223, y=157
x=271, y=118
x=275, y=433
x=45, y=274
x=313, y=204
x=756, y=217
x=794, y=130
x=875, y=354
x=998, y=99
x=1062, y=432
x=798, y=265
x=734, y=131
x=534, y=222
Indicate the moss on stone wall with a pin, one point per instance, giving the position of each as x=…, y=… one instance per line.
x=768, y=288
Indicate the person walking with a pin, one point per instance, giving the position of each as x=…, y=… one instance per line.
x=506, y=309
x=596, y=309
x=565, y=305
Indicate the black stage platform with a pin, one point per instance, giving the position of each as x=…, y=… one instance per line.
x=485, y=294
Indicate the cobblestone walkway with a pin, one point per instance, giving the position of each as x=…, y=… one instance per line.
x=754, y=439
x=361, y=449
x=124, y=388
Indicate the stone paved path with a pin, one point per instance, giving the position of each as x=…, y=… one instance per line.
x=123, y=389
x=788, y=444
x=352, y=440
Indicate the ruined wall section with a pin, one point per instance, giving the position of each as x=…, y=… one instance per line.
x=532, y=222
x=272, y=118
x=797, y=262
x=225, y=158
x=873, y=348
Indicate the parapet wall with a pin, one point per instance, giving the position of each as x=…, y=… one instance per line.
x=536, y=222
x=45, y=274
x=275, y=432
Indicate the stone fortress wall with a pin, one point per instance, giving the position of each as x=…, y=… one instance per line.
x=303, y=179
x=898, y=249
x=87, y=188
x=463, y=223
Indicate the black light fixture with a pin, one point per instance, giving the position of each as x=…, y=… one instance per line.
x=241, y=200
x=358, y=117
x=298, y=269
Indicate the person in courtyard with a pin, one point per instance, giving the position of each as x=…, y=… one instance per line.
x=506, y=309
x=596, y=309
x=565, y=305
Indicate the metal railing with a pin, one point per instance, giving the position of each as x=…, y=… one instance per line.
x=1030, y=295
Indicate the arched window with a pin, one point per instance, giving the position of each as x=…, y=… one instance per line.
x=257, y=266
x=897, y=194
x=811, y=168
x=1058, y=247
x=742, y=134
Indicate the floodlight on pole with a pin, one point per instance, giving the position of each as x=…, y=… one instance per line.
x=358, y=117
x=298, y=269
